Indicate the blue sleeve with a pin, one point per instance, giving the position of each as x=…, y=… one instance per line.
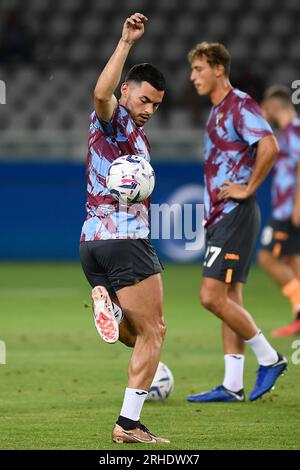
x=252, y=125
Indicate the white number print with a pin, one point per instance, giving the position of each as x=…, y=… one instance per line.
x=211, y=255
x=266, y=236
x=296, y=354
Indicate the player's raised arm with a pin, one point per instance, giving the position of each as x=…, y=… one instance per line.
x=104, y=98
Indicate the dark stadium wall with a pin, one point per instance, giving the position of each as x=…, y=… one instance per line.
x=42, y=209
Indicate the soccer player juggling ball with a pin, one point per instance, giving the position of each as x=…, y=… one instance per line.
x=116, y=254
x=239, y=151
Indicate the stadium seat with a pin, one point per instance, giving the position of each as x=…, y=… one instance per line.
x=71, y=5
x=186, y=24
x=293, y=50
x=59, y=27
x=238, y=49
x=284, y=74
x=157, y=26
x=75, y=39
x=196, y=6
x=266, y=6
x=281, y=25
x=250, y=26
x=269, y=50
x=292, y=6
x=218, y=26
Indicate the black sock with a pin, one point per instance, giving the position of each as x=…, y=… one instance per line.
x=240, y=393
x=127, y=423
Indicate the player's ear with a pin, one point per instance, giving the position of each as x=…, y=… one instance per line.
x=124, y=89
x=219, y=70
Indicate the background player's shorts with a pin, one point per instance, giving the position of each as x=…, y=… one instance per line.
x=281, y=238
x=230, y=243
x=115, y=264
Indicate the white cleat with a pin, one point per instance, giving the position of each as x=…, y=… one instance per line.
x=105, y=321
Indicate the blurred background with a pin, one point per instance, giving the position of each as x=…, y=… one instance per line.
x=58, y=374
x=51, y=53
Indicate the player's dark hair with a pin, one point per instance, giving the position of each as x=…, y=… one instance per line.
x=147, y=73
x=279, y=92
x=215, y=52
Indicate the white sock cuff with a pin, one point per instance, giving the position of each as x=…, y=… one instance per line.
x=137, y=391
x=264, y=352
x=133, y=403
x=234, y=371
x=251, y=340
x=238, y=356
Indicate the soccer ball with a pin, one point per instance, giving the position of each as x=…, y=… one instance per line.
x=162, y=385
x=130, y=179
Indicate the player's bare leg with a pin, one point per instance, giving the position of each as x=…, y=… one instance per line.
x=214, y=297
x=285, y=271
x=126, y=334
x=232, y=388
x=233, y=343
x=230, y=298
x=294, y=263
x=279, y=270
x=234, y=348
x=142, y=304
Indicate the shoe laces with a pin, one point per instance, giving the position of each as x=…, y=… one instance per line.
x=143, y=428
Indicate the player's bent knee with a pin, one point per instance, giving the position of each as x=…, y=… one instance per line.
x=210, y=300
x=159, y=332
x=154, y=333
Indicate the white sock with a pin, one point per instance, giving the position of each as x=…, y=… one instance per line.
x=119, y=315
x=262, y=349
x=133, y=403
x=234, y=369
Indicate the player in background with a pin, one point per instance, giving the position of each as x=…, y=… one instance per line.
x=279, y=253
x=239, y=151
x=116, y=254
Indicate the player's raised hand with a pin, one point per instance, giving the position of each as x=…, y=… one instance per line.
x=230, y=190
x=133, y=28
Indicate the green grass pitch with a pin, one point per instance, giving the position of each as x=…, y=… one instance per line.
x=62, y=387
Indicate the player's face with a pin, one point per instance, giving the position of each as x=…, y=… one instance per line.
x=141, y=100
x=203, y=76
x=270, y=110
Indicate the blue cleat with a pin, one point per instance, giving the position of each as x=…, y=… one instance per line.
x=219, y=393
x=267, y=376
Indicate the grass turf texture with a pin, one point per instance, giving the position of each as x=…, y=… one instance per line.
x=62, y=387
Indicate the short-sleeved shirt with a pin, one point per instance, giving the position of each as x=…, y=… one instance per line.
x=108, y=140
x=233, y=128
x=284, y=182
